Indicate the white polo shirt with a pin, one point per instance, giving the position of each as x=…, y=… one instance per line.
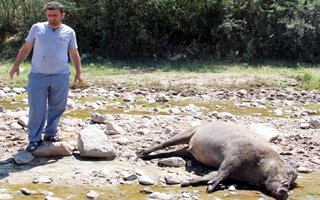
x=50, y=48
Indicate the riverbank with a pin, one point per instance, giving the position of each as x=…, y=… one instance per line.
x=148, y=114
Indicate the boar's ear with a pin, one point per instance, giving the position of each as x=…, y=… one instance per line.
x=293, y=164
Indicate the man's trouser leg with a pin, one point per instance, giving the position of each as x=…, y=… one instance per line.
x=57, y=102
x=37, y=98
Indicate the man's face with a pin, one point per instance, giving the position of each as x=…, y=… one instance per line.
x=54, y=17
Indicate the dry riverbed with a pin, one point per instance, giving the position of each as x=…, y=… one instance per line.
x=149, y=112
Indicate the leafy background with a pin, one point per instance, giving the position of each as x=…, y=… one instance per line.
x=190, y=29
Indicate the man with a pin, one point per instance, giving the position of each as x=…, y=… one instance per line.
x=48, y=84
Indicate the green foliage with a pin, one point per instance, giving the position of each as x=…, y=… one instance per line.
x=307, y=76
x=17, y=16
x=155, y=29
x=309, y=80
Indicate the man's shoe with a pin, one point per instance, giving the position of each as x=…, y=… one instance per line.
x=32, y=146
x=52, y=138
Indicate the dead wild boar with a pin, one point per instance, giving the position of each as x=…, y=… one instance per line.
x=236, y=152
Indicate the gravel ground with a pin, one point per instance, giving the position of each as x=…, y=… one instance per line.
x=160, y=116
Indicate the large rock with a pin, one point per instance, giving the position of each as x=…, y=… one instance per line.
x=23, y=157
x=267, y=133
x=92, y=142
x=48, y=149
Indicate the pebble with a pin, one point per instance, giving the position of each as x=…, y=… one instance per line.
x=2, y=109
x=172, y=179
x=186, y=195
x=98, y=118
x=302, y=169
x=172, y=162
x=42, y=179
x=23, y=121
x=161, y=196
x=91, y=194
x=146, y=191
x=130, y=177
x=145, y=180
x=25, y=191
x=232, y=188
x=305, y=125
x=52, y=198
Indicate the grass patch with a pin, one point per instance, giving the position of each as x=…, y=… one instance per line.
x=137, y=74
x=309, y=79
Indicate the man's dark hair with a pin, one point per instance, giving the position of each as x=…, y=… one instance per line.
x=54, y=6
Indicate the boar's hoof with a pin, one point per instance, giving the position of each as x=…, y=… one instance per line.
x=212, y=186
x=141, y=153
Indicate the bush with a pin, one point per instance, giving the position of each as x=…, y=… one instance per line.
x=156, y=29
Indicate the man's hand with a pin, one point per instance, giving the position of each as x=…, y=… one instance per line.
x=14, y=70
x=74, y=55
x=78, y=80
x=23, y=53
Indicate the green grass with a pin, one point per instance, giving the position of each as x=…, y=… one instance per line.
x=308, y=77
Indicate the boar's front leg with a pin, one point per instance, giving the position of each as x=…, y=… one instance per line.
x=199, y=181
x=232, y=163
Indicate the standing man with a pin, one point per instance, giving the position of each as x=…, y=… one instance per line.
x=48, y=84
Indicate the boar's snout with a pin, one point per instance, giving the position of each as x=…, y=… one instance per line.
x=278, y=189
x=282, y=193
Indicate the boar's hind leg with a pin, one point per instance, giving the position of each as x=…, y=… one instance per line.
x=184, y=153
x=181, y=138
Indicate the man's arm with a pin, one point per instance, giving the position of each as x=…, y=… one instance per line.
x=75, y=58
x=23, y=53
